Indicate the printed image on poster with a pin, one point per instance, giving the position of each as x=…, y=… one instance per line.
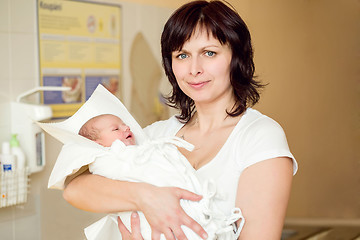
x=58, y=97
x=111, y=83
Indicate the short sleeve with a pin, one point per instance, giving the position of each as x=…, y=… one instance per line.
x=264, y=139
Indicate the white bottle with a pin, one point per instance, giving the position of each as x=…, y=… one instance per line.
x=8, y=190
x=20, y=169
x=18, y=152
x=7, y=159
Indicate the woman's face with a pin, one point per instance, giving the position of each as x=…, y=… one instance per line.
x=202, y=68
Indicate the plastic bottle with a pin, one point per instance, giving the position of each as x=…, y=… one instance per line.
x=7, y=186
x=20, y=169
x=7, y=159
x=18, y=152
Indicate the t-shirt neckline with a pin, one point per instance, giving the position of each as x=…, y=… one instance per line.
x=239, y=123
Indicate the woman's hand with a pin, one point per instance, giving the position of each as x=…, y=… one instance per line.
x=161, y=207
x=135, y=233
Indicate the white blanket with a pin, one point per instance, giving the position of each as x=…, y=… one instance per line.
x=157, y=162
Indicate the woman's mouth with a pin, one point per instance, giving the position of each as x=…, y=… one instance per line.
x=198, y=85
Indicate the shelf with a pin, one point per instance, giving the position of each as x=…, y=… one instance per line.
x=14, y=186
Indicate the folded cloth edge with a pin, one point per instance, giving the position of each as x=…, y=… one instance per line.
x=100, y=102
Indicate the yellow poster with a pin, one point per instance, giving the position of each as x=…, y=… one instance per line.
x=79, y=47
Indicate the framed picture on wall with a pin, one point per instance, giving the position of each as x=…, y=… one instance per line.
x=79, y=47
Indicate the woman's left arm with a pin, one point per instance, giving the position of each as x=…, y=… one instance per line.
x=262, y=195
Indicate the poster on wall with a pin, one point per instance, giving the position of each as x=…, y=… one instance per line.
x=79, y=47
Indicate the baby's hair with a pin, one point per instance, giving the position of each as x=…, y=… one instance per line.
x=88, y=130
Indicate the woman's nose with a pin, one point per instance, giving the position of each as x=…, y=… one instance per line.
x=196, y=67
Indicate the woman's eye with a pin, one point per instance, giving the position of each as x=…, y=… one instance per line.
x=210, y=53
x=182, y=56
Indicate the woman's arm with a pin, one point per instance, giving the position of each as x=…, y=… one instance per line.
x=262, y=195
x=95, y=193
x=160, y=205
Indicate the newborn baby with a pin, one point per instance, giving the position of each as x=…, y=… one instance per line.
x=105, y=129
x=156, y=162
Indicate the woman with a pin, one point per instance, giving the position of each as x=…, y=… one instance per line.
x=208, y=58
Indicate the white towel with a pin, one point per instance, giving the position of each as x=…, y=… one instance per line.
x=100, y=102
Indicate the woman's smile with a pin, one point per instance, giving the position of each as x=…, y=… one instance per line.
x=198, y=85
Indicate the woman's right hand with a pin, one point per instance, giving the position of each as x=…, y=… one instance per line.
x=135, y=233
x=162, y=209
x=160, y=205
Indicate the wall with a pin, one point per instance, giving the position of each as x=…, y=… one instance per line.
x=46, y=215
x=17, y=68
x=307, y=51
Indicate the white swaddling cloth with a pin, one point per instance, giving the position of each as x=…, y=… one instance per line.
x=157, y=162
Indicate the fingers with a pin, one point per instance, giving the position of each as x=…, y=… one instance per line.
x=123, y=230
x=185, y=194
x=188, y=221
x=195, y=226
x=165, y=214
x=135, y=226
x=169, y=235
x=179, y=234
x=155, y=235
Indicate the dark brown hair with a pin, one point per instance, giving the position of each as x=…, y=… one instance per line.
x=225, y=24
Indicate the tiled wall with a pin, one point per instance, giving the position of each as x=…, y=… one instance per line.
x=18, y=73
x=46, y=215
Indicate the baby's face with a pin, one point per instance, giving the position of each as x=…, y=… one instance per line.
x=111, y=128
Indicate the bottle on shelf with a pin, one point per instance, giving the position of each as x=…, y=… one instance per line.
x=8, y=188
x=7, y=159
x=20, y=169
x=18, y=152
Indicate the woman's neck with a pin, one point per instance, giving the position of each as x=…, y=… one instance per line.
x=213, y=115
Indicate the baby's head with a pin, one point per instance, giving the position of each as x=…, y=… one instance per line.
x=105, y=129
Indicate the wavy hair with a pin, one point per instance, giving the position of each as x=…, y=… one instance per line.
x=225, y=24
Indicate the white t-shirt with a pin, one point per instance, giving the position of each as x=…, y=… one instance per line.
x=255, y=138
